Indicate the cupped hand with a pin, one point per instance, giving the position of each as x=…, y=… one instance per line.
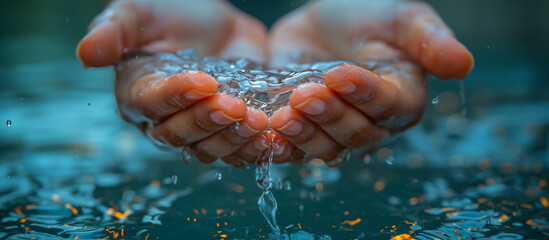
x=356, y=107
x=185, y=109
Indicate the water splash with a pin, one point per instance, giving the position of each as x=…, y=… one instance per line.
x=218, y=176
x=263, y=89
x=8, y=123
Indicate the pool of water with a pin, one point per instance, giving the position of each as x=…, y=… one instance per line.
x=71, y=168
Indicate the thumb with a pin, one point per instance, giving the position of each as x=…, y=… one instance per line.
x=424, y=36
x=117, y=28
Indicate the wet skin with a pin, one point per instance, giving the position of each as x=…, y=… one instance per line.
x=355, y=108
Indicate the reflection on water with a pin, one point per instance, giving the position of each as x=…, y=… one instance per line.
x=74, y=170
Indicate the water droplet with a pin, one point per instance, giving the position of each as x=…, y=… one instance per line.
x=301, y=207
x=248, y=167
x=488, y=47
x=186, y=154
x=278, y=184
x=325, y=237
x=174, y=179
x=341, y=202
x=441, y=53
x=66, y=19
x=8, y=123
x=390, y=160
x=99, y=51
x=424, y=45
x=341, y=158
x=435, y=100
x=218, y=176
x=287, y=186
x=237, y=126
x=89, y=104
x=367, y=159
x=142, y=28
x=119, y=67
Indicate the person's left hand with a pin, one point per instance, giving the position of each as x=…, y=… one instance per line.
x=358, y=108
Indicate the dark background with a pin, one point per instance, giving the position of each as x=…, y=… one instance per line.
x=509, y=39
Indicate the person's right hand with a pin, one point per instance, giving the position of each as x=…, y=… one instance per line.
x=183, y=110
x=355, y=107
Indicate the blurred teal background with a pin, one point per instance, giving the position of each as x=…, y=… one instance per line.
x=66, y=144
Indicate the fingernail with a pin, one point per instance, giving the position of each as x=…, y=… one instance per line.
x=221, y=118
x=244, y=130
x=194, y=95
x=292, y=128
x=346, y=87
x=312, y=106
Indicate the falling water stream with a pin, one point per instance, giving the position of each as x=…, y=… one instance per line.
x=264, y=89
x=267, y=202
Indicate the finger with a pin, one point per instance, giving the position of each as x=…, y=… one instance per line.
x=413, y=27
x=394, y=100
x=304, y=134
x=199, y=121
x=425, y=37
x=118, y=27
x=157, y=96
x=230, y=139
x=346, y=125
